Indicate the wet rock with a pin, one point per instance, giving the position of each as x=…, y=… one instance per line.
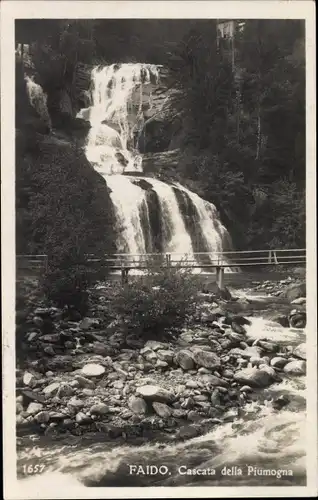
x=99, y=409
x=88, y=323
x=192, y=384
x=194, y=416
x=51, y=338
x=297, y=367
x=268, y=346
x=250, y=352
x=206, y=359
x=236, y=338
x=28, y=378
x=280, y=402
x=278, y=362
x=295, y=291
x=213, y=380
x=216, y=398
x=34, y=408
x=32, y=396
x=84, y=382
x=281, y=319
x=81, y=418
x=300, y=351
x=155, y=393
x=268, y=369
x=162, y=409
x=57, y=416
x=238, y=328
x=297, y=320
x=187, y=403
x=161, y=364
x=246, y=388
x=299, y=302
x=49, y=350
x=74, y=402
x=60, y=363
x=43, y=417
x=253, y=377
x=165, y=355
x=38, y=322
x=65, y=390
x=93, y=370
x=153, y=345
x=137, y=405
x=187, y=432
x=100, y=348
x=51, y=389
x=18, y=408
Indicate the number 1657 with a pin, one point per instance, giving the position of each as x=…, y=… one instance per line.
x=33, y=469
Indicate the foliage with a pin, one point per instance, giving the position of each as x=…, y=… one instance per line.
x=159, y=302
x=242, y=109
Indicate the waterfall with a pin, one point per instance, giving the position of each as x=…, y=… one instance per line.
x=151, y=215
x=115, y=114
x=38, y=99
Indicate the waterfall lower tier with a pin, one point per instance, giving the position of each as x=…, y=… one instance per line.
x=153, y=216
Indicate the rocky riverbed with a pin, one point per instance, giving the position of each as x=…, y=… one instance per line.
x=84, y=376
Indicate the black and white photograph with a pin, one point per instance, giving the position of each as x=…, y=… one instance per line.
x=162, y=331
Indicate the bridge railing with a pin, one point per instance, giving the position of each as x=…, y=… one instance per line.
x=230, y=259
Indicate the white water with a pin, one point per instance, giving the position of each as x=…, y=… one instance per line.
x=38, y=99
x=116, y=118
x=262, y=437
x=111, y=115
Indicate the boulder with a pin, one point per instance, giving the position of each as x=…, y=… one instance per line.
x=43, y=417
x=206, y=359
x=300, y=351
x=93, y=370
x=281, y=319
x=278, y=362
x=295, y=291
x=84, y=382
x=250, y=352
x=184, y=359
x=34, y=408
x=137, y=405
x=88, y=323
x=297, y=319
x=155, y=393
x=253, y=377
x=162, y=409
x=65, y=390
x=51, y=389
x=28, y=379
x=99, y=409
x=297, y=367
x=299, y=302
x=165, y=355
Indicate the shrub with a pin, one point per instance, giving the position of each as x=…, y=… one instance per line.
x=158, y=302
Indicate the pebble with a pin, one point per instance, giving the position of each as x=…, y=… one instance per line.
x=99, y=409
x=43, y=417
x=34, y=408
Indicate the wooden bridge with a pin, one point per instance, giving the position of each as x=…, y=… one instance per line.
x=217, y=262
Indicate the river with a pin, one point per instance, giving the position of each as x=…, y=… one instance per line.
x=263, y=446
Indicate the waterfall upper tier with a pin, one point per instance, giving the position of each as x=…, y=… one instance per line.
x=120, y=95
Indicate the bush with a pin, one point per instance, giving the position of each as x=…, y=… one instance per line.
x=158, y=302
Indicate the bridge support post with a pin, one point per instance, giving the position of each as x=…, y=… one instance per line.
x=124, y=275
x=220, y=277
x=168, y=259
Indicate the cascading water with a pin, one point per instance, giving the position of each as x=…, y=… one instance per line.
x=118, y=99
x=38, y=99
